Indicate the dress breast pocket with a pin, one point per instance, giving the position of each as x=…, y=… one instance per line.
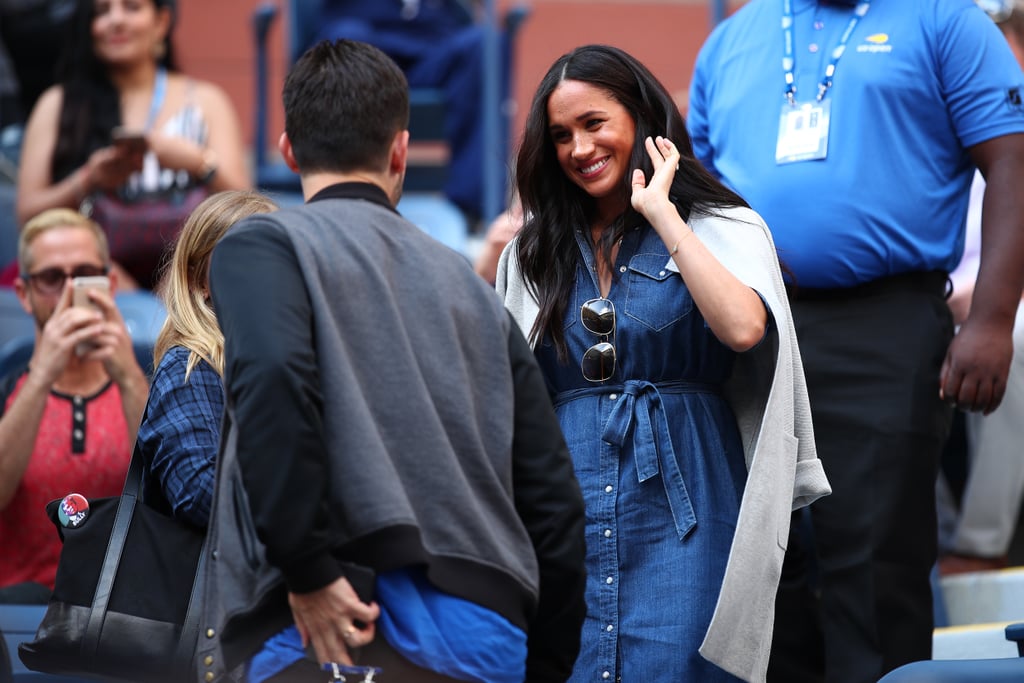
x=655, y=295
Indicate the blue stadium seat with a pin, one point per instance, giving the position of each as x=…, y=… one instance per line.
x=426, y=173
x=10, y=153
x=15, y=353
x=1007, y=670
x=8, y=223
x=17, y=332
x=18, y=624
x=144, y=315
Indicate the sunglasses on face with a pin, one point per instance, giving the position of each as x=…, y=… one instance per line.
x=51, y=280
x=598, y=317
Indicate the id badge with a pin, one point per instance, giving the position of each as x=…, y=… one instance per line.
x=803, y=132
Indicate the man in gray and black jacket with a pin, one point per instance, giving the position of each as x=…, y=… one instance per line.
x=393, y=488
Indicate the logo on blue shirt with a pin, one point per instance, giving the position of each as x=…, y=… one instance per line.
x=877, y=42
x=1014, y=99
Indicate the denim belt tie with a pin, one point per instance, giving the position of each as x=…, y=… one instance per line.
x=642, y=412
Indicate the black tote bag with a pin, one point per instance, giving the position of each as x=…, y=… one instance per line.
x=126, y=601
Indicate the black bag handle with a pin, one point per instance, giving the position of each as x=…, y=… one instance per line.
x=189, y=638
x=112, y=559
x=112, y=556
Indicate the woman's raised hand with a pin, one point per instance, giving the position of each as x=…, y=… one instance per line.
x=652, y=198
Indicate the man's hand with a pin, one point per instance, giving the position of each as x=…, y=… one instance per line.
x=328, y=619
x=113, y=348
x=113, y=344
x=67, y=327
x=977, y=363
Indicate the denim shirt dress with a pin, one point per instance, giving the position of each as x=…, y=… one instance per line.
x=660, y=462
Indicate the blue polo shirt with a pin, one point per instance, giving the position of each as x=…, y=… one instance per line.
x=919, y=83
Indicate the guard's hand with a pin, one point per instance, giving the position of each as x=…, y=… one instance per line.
x=328, y=618
x=973, y=375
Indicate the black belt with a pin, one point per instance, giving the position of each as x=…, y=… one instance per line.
x=935, y=282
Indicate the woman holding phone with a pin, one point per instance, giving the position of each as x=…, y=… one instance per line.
x=126, y=136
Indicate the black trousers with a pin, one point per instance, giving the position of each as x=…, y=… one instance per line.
x=855, y=600
x=394, y=668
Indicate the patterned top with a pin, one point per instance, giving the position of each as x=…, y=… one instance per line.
x=187, y=123
x=180, y=434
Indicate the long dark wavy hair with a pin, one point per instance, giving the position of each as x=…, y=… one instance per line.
x=555, y=207
x=91, y=106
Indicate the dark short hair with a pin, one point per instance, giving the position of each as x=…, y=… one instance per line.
x=344, y=101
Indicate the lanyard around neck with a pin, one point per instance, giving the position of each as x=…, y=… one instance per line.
x=789, y=60
x=159, y=92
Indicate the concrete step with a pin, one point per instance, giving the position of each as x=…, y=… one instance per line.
x=975, y=641
x=984, y=597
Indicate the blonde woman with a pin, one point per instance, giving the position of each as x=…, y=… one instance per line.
x=180, y=430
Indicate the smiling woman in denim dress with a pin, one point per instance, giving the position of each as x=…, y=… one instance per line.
x=637, y=324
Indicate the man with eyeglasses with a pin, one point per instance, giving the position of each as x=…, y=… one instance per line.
x=67, y=420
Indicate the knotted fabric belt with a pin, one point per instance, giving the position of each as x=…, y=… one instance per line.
x=641, y=414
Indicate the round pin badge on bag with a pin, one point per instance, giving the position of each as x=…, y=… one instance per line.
x=73, y=511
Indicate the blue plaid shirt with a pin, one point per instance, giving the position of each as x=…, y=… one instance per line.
x=180, y=434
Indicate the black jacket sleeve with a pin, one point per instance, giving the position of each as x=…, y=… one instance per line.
x=272, y=382
x=548, y=500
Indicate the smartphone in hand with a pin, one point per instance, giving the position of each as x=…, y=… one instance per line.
x=80, y=287
x=131, y=141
